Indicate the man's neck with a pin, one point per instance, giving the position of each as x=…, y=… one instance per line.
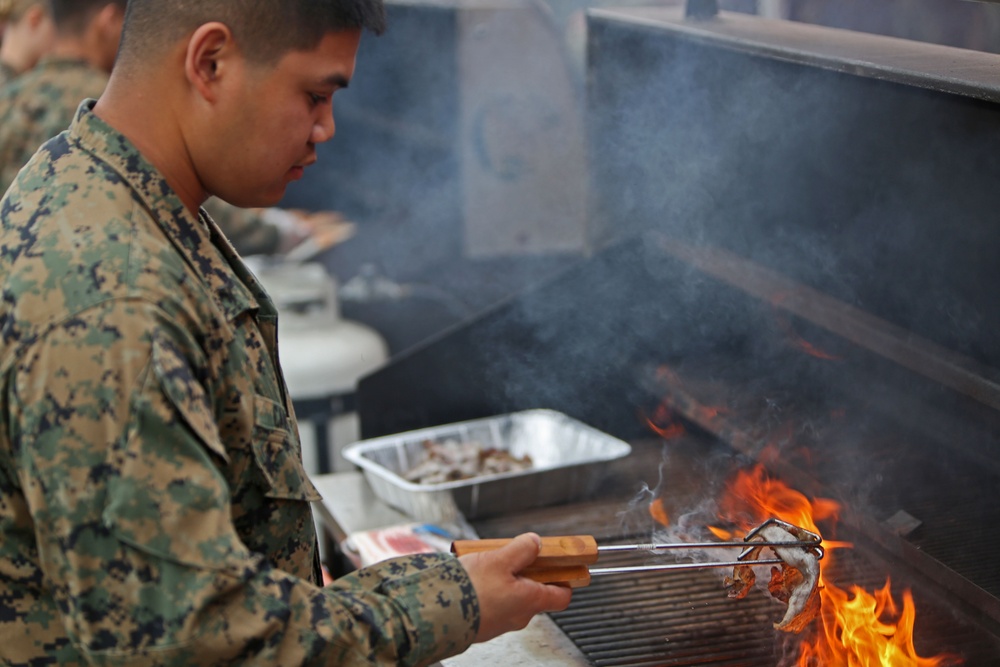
x=12, y=56
x=155, y=133
x=71, y=48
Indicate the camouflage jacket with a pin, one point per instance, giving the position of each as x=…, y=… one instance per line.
x=7, y=73
x=153, y=505
x=41, y=103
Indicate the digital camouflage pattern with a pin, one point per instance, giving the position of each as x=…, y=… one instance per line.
x=153, y=505
x=247, y=231
x=7, y=73
x=41, y=103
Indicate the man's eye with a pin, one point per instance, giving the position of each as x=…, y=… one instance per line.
x=317, y=99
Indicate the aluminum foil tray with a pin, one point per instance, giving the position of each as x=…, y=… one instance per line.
x=568, y=462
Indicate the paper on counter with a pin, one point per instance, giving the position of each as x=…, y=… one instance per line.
x=371, y=546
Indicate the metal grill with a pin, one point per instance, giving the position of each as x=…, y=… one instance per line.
x=669, y=619
x=913, y=468
x=684, y=618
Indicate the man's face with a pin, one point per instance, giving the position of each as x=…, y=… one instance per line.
x=273, y=117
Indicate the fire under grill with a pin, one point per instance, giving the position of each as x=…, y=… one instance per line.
x=684, y=618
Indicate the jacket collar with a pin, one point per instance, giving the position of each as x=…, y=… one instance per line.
x=197, y=238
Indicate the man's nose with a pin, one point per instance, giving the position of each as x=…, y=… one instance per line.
x=324, y=129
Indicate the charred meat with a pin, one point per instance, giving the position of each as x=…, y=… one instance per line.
x=796, y=582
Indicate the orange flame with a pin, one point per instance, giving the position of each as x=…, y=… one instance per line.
x=753, y=496
x=810, y=349
x=659, y=512
x=722, y=534
x=667, y=432
x=665, y=424
x=866, y=630
x=859, y=629
x=794, y=339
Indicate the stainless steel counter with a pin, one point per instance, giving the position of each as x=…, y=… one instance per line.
x=541, y=644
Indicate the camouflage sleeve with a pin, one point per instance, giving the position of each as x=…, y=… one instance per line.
x=249, y=233
x=134, y=530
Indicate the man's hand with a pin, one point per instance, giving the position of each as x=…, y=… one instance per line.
x=506, y=601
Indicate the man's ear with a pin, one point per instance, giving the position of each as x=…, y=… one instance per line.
x=35, y=15
x=106, y=26
x=208, y=50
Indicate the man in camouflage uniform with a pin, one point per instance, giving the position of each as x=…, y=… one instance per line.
x=42, y=103
x=153, y=504
x=27, y=32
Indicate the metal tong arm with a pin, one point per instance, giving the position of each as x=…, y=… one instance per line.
x=746, y=546
x=565, y=560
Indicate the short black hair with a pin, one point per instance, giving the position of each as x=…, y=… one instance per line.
x=265, y=29
x=71, y=16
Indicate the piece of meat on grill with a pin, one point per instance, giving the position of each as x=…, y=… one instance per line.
x=803, y=595
x=743, y=578
x=789, y=585
x=796, y=582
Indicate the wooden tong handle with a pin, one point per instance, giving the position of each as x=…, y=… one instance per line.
x=562, y=560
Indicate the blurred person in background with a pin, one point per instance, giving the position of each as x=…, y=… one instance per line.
x=40, y=103
x=26, y=34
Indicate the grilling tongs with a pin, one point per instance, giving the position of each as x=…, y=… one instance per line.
x=566, y=560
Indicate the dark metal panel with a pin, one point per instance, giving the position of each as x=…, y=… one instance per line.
x=919, y=64
x=564, y=345
x=876, y=191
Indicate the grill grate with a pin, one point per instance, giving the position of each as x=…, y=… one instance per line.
x=684, y=618
x=668, y=619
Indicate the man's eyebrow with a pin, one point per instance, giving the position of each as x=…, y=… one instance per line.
x=337, y=80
